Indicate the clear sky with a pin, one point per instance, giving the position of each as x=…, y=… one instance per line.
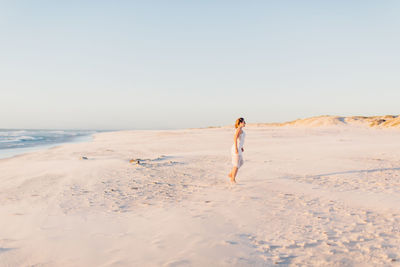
x=177, y=64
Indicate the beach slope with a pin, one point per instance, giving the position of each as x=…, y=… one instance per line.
x=308, y=196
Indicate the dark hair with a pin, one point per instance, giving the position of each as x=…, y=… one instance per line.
x=238, y=121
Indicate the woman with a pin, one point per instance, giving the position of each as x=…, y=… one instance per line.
x=237, y=148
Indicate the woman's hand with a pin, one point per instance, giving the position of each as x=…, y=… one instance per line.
x=242, y=149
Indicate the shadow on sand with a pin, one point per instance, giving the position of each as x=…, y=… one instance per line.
x=357, y=171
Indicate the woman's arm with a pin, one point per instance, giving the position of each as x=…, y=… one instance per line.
x=238, y=132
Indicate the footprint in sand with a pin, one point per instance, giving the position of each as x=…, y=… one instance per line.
x=179, y=263
x=2, y=250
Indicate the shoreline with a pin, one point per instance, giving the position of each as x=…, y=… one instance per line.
x=14, y=152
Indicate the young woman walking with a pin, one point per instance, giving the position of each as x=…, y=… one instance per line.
x=237, y=148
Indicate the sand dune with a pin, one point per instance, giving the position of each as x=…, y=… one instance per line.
x=387, y=121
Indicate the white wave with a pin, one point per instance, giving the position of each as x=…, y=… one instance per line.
x=12, y=133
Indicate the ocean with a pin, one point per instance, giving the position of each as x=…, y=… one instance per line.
x=14, y=142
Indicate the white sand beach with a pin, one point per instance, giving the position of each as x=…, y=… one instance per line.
x=314, y=196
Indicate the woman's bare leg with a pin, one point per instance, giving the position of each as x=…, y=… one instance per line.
x=233, y=173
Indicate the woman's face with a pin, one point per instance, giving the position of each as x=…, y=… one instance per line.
x=243, y=124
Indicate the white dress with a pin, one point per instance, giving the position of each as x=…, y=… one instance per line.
x=237, y=159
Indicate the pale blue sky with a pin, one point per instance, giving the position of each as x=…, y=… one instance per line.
x=178, y=64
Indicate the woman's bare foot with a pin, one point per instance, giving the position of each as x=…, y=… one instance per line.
x=233, y=180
